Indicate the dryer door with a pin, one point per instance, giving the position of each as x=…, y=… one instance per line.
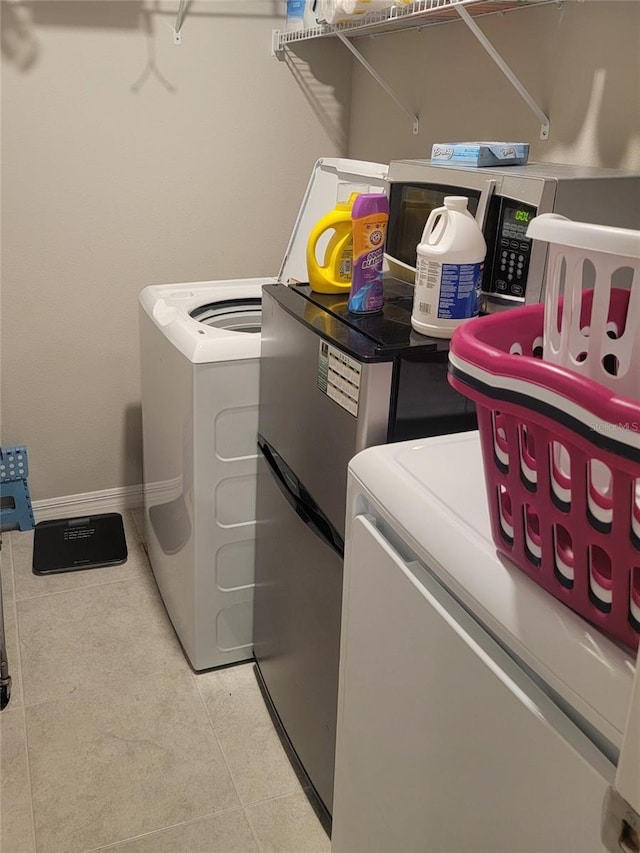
x=443, y=742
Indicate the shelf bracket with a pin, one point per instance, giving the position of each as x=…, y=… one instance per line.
x=177, y=35
x=502, y=65
x=414, y=118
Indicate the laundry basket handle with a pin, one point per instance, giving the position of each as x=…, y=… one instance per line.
x=554, y=228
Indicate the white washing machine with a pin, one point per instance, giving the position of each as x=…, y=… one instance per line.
x=200, y=350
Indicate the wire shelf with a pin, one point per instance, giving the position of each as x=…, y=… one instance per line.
x=416, y=15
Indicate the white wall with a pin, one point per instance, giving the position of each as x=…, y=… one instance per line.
x=580, y=62
x=127, y=160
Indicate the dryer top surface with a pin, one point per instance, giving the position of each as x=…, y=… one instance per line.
x=432, y=494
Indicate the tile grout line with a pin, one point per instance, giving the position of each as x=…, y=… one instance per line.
x=79, y=588
x=31, y=807
x=115, y=844
x=270, y=800
x=224, y=758
x=14, y=604
x=215, y=734
x=253, y=832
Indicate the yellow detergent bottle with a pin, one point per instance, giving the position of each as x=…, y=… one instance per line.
x=333, y=275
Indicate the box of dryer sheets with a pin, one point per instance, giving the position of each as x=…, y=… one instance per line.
x=481, y=153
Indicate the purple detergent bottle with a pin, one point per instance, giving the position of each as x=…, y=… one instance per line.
x=370, y=216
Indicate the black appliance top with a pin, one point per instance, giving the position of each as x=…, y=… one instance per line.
x=366, y=337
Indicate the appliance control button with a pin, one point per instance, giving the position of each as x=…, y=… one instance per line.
x=524, y=247
x=517, y=289
x=513, y=244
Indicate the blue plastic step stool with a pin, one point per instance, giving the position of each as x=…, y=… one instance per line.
x=14, y=491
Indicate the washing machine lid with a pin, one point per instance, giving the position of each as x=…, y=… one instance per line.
x=174, y=308
x=320, y=197
x=432, y=493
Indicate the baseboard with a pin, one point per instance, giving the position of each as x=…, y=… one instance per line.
x=89, y=503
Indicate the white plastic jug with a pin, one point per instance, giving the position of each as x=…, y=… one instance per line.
x=450, y=261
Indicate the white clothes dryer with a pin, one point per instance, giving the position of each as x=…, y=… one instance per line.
x=200, y=350
x=475, y=712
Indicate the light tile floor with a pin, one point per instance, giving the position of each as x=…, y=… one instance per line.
x=110, y=742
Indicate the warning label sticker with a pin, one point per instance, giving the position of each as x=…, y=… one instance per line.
x=339, y=377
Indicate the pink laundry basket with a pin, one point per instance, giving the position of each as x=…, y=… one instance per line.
x=561, y=455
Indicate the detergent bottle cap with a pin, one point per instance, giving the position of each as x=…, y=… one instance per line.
x=456, y=202
x=370, y=203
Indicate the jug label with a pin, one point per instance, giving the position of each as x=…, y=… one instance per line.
x=459, y=291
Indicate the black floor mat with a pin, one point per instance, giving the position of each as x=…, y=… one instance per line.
x=72, y=544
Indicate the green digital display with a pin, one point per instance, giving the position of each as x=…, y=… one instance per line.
x=515, y=221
